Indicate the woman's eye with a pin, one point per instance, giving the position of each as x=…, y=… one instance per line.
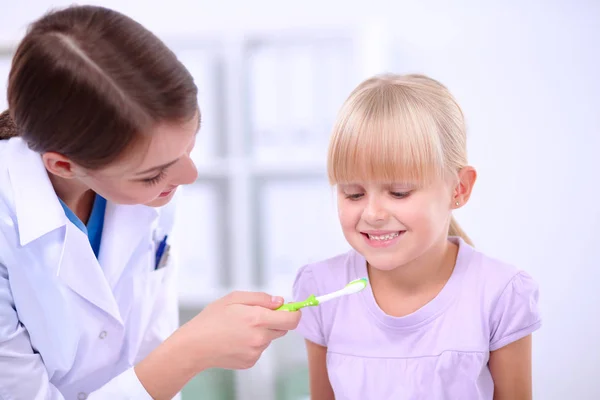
x=155, y=179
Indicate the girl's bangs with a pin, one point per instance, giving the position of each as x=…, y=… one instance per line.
x=383, y=136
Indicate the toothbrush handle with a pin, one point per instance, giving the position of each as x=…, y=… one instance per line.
x=309, y=302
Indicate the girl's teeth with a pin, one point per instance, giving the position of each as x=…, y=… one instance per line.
x=389, y=236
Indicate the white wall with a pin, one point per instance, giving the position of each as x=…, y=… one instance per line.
x=528, y=81
x=527, y=77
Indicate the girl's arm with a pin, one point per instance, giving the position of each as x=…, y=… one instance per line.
x=320, y=387
x=511, y=370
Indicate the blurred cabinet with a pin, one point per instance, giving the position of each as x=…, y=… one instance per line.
x=204, y=63
x=297, y=224
x=198, y=236
x=289, y=356
x=295, y=88
x=213, y=384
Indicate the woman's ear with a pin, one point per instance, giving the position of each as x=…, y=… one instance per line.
x=59, y=165
x=462, y=191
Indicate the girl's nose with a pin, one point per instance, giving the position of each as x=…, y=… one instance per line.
x=374, y=212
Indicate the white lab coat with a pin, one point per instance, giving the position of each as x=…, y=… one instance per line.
x=73, y=326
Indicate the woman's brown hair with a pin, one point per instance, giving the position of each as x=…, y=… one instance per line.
x=88, y=82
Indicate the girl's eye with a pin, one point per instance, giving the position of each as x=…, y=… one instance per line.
x=399, y=195
x=155, y=179
x=354, y=196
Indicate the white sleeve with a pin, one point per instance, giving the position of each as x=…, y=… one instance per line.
x=126, y=386
x=22, y=372
x=23, y=375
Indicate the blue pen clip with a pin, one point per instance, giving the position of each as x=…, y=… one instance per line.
x=160, y=252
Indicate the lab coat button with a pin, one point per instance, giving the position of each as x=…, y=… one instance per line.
x=102, y=334
x=81, y=396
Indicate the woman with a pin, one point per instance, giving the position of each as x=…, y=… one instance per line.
x=102, y=121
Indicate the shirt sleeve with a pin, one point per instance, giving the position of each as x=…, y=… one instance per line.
x=311, y=323
x=516, y=313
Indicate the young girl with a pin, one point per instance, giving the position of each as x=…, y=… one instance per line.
x=440, y=320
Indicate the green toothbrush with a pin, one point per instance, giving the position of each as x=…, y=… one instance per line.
x=354, y=286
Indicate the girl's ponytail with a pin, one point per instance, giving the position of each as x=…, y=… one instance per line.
x=8, y=129
x=456, y=230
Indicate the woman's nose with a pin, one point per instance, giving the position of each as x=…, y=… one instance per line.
x=187, y=172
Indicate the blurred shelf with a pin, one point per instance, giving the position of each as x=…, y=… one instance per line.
x=222, y=169
x=290, y=36
x=213, y=169
x=7, y=48
x=289, y=169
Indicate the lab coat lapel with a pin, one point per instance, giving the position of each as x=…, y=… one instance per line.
x=125, y=226
x=37, y=207
x=79, y=269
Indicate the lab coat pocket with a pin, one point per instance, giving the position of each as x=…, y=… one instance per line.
x=154, y=284
x=158, y=275
x=155, y=271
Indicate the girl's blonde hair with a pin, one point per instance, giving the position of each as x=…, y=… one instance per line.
x=399, y=128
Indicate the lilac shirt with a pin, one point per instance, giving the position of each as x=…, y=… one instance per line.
x=438, y=352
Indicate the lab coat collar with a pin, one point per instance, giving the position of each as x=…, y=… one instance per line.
x=36, y=204
x=39, y=212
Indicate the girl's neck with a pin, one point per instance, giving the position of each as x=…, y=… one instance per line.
x=408, y=287
x=78, y=197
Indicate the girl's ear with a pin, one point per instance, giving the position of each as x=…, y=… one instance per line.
x=462, y=191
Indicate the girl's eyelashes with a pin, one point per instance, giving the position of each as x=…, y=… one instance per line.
x=356, y=196
x=353, y=196
x=400, y=195
x=155, y=179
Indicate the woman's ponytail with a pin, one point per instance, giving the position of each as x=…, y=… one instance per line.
x=8, y=129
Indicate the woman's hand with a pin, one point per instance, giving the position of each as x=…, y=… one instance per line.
x=233, y=331
x=230, y=333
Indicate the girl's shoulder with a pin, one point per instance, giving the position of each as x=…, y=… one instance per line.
x=494, y=276
x=507, y=295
